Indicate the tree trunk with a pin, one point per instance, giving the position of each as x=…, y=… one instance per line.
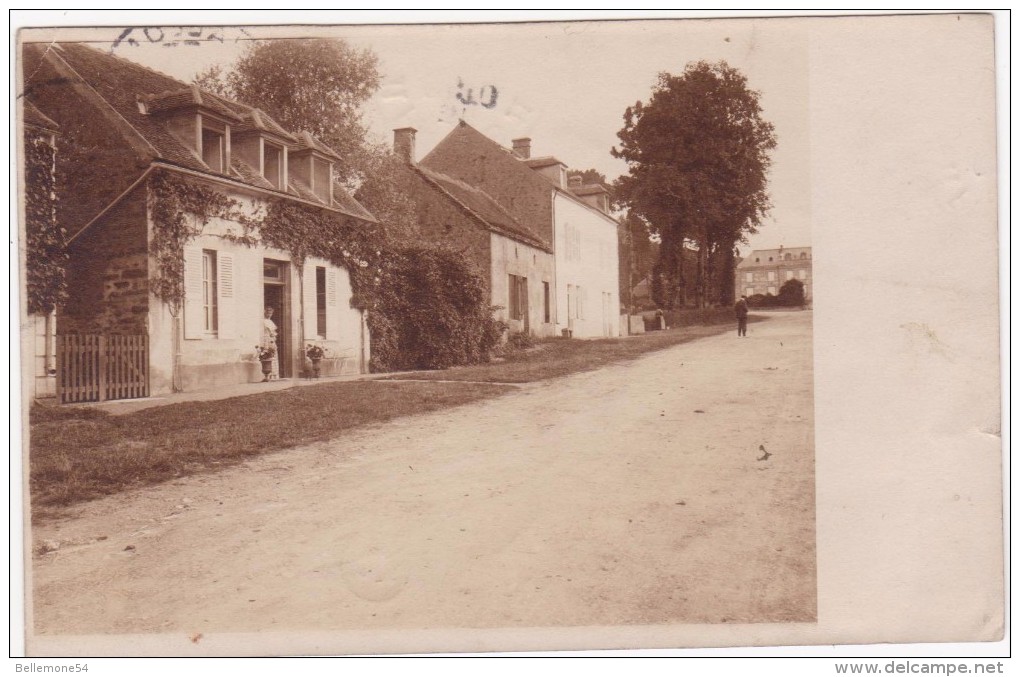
x=699, y=288
x=680, y=297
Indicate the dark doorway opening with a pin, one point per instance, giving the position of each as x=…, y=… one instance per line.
x=275, y=297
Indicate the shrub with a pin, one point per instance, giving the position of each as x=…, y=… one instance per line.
x=791, y=293
x=431, y=311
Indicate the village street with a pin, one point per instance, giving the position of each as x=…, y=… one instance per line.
x=629, y=495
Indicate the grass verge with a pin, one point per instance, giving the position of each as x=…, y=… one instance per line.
x=559, y=357
x=78, y=453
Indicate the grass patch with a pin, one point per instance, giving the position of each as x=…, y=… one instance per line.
x=559, y=357
x=78, y=453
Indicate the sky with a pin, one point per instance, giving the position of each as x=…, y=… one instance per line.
x=565, y=85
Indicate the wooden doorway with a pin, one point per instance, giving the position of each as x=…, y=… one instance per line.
x=274, y=284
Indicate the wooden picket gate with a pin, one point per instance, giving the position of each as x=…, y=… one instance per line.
x=93, y=368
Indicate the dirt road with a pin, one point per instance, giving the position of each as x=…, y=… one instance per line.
x=628, y=495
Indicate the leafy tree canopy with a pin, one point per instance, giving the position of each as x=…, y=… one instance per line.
x=590, y=176
x=698, y=154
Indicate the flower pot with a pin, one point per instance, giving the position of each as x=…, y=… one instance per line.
x=267, y=369
x=316, y=369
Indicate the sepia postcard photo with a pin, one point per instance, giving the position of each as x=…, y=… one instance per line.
x=519, y=336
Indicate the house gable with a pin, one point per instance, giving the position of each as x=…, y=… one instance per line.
x=469, y=156
x=97, y=162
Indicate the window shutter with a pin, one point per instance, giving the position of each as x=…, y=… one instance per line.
x=227, y=321
x=308, y=303
x=331, y=314
x=193, y=325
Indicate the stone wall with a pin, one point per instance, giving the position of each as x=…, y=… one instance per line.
x=107, y=276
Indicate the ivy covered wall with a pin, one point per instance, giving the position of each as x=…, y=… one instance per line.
x=45, y=254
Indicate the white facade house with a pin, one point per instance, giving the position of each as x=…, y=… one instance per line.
x=587, y=269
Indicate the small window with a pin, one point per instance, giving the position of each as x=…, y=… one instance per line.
x=321, y=179
x=749, y=291
x=770, y=259
x=214, y=149
x=788, y=257
x=546, y=309
x=757, y=260
x=771, y=275
x=789, y=275
x=803, y=255
x=749, y=277
x=802, y=274
x=209, y=304
x=272, y=168
x=320, y=301
x=772, y=290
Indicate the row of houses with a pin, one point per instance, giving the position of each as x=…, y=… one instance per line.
x=548, y=246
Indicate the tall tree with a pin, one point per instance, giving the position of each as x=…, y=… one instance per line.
x=314, y=85
x=698, y=153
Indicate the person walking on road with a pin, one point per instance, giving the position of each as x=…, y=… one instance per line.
x=740, y=308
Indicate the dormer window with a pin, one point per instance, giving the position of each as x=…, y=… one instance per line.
x=199, y=120
x=272, y=164
x=214, y=149
x=322, y=181
x=310, y=168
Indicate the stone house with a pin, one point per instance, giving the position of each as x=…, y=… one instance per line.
x=570, y=218
x=764, y=271
x=123, y=124
x=518, y=266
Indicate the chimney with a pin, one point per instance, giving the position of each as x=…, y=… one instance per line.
x=576, y=181
x=403, y=144
x=522, y=148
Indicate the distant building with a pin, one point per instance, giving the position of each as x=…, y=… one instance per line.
x=764, y=271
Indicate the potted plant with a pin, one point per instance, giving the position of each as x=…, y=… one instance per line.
x=265, y=355
x=315, y=354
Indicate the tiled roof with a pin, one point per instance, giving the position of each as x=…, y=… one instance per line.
x=33, y=116
x=257, y=120
x=307, y=141
x=343, y=201
x=248, y=174
x=505, y=162
x=121, y=84
x=482, y=206
x=188, y=97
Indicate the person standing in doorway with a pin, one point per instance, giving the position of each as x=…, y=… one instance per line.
x=740, y=308
x=269, y=332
